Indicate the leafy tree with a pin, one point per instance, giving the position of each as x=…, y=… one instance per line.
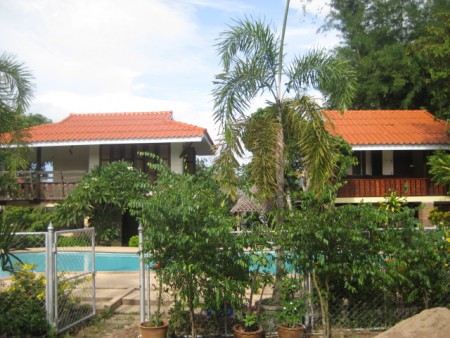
x=31, y=120
x=378, y=39
x=254, y=63
x=354, y=251
x=433, y=49
x=187, y=232
x=102, y=194
x=30, y=219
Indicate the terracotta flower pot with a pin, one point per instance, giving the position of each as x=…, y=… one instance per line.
x=239, y=332
x=154, y=331
x=290, y=332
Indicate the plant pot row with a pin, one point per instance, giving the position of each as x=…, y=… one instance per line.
x=283, y=332
x=238, y=329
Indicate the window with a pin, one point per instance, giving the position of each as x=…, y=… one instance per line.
x=129, y=152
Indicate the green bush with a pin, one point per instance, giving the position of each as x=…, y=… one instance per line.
x=134, y=241
x=70, y=241
x=22, y=306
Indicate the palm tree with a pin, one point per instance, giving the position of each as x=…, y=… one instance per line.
x=16, y=92
x=253, y=63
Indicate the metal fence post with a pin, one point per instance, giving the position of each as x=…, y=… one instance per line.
x=141, y=273
x=50, y=272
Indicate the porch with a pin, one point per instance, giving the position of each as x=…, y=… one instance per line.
x=379, y=187
x=39, y=185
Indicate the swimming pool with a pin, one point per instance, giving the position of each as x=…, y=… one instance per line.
x=104, y=261
x=81, y=261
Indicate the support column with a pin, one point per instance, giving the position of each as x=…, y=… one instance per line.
x=424, y=213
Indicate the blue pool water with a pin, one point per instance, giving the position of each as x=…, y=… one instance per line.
x=81, y=261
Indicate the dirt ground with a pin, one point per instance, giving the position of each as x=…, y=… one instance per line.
x=434, y=323
x=127, y=326
x=115, y=326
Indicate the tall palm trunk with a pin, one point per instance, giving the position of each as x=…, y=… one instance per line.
x=280, y=163
x=280, y=205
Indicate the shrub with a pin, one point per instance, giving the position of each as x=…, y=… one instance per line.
x=134, y=241
x=22, y=305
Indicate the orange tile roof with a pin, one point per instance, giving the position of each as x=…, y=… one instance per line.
x=114, y=126
x=388, y=127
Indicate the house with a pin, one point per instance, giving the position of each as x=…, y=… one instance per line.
x=392, y=147
x=81, y=141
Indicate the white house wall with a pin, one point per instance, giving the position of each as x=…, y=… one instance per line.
x=70, y=158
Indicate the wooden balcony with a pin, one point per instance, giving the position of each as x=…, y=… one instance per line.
x=380, y=187
x=39, y=185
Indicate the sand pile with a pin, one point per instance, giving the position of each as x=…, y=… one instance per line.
x=431, y=323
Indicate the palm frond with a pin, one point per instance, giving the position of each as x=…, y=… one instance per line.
x=259, y=138
x=16, y=87
x=314, y=141
x=334, y=77
x=248, y=52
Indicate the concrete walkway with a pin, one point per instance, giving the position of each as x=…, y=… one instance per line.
x=118, y=291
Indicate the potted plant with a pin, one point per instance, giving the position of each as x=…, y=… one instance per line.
x=293, y=307
x=250, y=326
x=156, y=326
x=259, y=279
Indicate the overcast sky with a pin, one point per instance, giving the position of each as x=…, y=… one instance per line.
x=92, y=56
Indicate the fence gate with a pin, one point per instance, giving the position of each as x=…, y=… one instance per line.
x=71, y=277
x=58, y=278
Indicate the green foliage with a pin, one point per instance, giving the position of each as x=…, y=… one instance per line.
x=253, y=63
x=70, y=241
x=16, y=92
x=351, y=249
x=134, y=241
x=187, y=231
x=432, y=50
x=30, y=219
x=440, y=167
x=8, y=241
x=393, y=203
x=440, y=218
x=293, y=304
x=103, y=196
x=22, y=305
x=399, y=49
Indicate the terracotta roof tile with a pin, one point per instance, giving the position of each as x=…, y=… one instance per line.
x=110, y=126
x=388, y=127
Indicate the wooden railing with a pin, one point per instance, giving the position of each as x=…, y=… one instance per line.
x=380, y=187
x=38, y=185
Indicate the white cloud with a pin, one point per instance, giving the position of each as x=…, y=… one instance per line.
x=131, y=55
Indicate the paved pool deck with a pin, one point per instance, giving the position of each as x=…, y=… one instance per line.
x=118, y=291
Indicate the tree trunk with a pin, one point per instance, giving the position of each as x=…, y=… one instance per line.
x=192, y=319
x=280, y=205
x=276, y=295
x=324, y=305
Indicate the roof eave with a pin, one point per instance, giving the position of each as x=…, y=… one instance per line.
x=193, y=139
x=369, y=147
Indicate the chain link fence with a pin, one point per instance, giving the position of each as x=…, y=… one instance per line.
x=52, y=282
x=375, y=309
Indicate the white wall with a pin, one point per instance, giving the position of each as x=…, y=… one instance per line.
x=71, y=158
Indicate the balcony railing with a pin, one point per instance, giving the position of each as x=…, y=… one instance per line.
x=38, y=185
x=380, y=187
